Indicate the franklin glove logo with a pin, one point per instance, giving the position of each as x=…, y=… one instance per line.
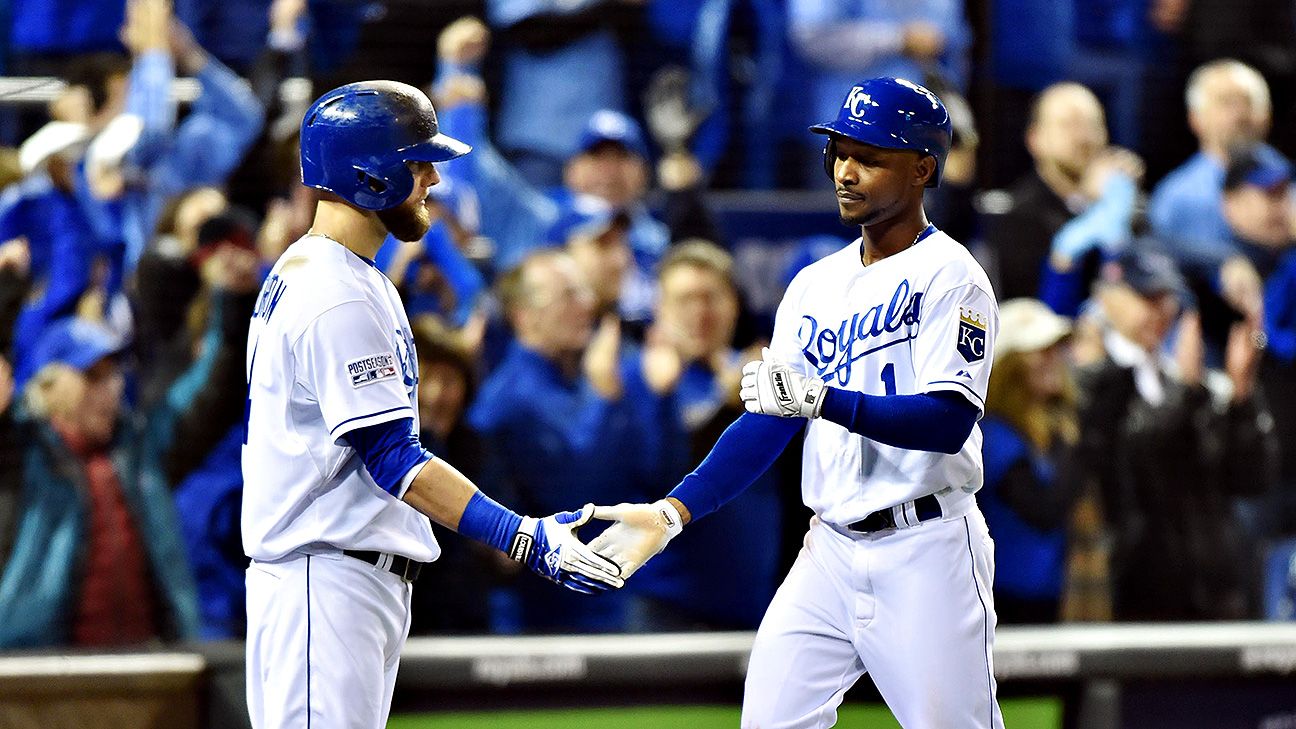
x=781, y=389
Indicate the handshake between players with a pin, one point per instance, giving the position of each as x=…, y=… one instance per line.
x=641, y=531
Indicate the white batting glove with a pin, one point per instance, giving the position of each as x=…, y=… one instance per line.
x=550, y=548
x=774, y=388
x=641, y=532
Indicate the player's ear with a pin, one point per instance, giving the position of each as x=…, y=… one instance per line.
x=924, y=169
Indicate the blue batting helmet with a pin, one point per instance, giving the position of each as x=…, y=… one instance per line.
x=892, y=113
x=356, y=139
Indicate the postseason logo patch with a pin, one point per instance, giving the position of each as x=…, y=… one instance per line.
x=972, y=334
x=371, y=369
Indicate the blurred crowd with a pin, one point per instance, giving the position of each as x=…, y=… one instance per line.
x=580, y=317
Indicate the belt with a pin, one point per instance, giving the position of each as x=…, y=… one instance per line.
x=403, y=567
x=925, y=507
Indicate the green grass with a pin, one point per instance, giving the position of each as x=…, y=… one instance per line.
x=1018, y=713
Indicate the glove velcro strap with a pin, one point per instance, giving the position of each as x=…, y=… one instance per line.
x=670, y=518
x=524, y=541
x=814, y=397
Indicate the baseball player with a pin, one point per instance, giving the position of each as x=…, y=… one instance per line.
x=338, y=492
x=881, y=356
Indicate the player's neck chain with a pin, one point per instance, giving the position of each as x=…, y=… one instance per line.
x=868, y=261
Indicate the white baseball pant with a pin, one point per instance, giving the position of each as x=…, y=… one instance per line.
x=324, y=640
x=911, y=606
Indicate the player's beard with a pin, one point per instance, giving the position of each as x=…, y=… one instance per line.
x=408, y=222
x=869, y=216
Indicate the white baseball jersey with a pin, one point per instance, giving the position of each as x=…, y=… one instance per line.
x=329, y=351
x=919, y=321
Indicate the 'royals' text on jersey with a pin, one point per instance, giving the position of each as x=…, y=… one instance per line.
x=922, y=320
x=329, y=351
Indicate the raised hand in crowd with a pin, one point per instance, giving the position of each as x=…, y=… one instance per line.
x=1110, y=162
x=464, y=42
x=285, y=17
x=6, y=385
x=922, y=41
x=15, y=256
x=1189, y=350
x=1242, y=288
x=147, y=26
x=601, y=361
x=1242, y=356
x=662, y=364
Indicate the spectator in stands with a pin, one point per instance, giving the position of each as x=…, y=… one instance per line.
x=95, y=558
x=1079, y=184
x=683, y=388
x=202, y=407
x=435, y=275
x=1031, y=476
x=143, y=157
x=168, y=281
x=841, y=43
x=1260, y=33
x=716, y=68
x=1228, y=106
x=598, y=241
x=608, y=171
x=1257, y=206
x=1173, y=446
x=547, y=45
x=46, y=212
x=555, y=420
x=465, y=573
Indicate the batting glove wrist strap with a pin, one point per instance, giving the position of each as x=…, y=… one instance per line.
x=640, y=533
x=774, y=388
x=549, y=547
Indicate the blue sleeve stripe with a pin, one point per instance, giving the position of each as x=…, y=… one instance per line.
x=389, y=450
x=969, y=390
x=370, y=415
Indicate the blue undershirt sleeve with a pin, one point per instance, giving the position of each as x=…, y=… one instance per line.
x=747, y=448
x=389, y=450
x=939, y=422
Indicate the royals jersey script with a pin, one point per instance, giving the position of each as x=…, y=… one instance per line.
x=329, y=351
x=919, y=321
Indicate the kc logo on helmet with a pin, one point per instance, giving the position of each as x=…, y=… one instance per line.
x=858, y=102
x=971, y=334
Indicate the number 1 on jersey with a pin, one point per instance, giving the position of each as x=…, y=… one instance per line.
x=888, y=378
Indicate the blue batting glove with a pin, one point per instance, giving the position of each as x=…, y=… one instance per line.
x=549, y=547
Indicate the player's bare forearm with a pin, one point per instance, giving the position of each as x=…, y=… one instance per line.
x=440, y=492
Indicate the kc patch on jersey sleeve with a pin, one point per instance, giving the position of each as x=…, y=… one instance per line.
x=972, y=334
x=371, y=369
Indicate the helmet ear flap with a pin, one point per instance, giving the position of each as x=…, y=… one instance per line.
x=830, y=158
x=382, y=188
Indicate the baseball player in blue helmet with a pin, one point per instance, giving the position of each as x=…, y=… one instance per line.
x=880, y=359
x=338, y=492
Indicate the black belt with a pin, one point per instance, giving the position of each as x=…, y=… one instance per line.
x=926, y=507
x=403, y=567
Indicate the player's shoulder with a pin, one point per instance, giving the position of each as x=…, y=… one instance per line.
x=953, y=266
x=314, y=275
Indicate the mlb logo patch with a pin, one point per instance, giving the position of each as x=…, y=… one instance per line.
x=972, y=334
x=371, y=369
